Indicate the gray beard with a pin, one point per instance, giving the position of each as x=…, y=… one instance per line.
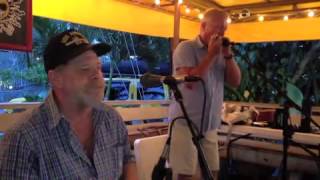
x=85, y=100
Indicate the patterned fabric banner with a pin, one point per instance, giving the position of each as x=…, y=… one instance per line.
x=16, y=25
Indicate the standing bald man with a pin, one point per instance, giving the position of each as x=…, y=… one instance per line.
x=205, y=57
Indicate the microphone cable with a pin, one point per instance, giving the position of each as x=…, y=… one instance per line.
x=203, y=105
x=159, y=171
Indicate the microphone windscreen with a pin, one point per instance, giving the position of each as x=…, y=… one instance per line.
x=150, y=80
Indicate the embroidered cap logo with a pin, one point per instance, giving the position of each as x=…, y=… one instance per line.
x=74, y=38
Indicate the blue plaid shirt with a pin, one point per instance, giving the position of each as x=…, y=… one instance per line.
x=44, y=147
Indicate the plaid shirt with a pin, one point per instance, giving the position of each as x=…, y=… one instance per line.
x=45, y=147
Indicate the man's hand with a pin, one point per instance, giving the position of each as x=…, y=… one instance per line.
x=227, y=51
x=214, y=45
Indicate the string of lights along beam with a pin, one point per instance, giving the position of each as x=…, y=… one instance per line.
x=195, y=13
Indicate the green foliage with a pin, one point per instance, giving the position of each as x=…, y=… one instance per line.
x=35, y=74
x=295, y=62
x=278, y=63
x=33, y=99
x=153, y=50
x=6, y=77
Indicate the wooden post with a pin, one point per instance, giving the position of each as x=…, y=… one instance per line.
x=176, y=31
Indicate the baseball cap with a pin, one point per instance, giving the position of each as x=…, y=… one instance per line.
x=67, y=45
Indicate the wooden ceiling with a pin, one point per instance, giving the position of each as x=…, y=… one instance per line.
x=144, y=17
x=239, y=10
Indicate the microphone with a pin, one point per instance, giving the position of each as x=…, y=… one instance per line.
x=152, y=80
x=226, y=42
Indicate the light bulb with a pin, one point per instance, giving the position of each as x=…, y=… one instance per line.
x=187, y=10
x=261, y=18
x=311, y=13
x=157, y=2
x=200, y=16
x=229, y=20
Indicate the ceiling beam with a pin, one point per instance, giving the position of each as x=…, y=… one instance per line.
x=266, y=4
x=276, y=15
x=205, y=4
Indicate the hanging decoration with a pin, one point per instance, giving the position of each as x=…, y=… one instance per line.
x=16, y=25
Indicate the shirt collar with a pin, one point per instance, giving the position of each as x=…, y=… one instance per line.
x=199, y=42
x=54, y=114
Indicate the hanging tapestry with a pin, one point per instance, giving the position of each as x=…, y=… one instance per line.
x=16, y=25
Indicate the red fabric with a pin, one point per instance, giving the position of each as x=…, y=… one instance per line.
x=21, y=39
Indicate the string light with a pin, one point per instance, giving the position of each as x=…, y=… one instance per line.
x=200, y=16
x=310, y=13
x=187, y=10
x=229, y=20
x=233, y=18
x=197, y=10
x=157, y=2
x=261, y=18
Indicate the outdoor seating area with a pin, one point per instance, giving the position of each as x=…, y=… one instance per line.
x=271, y=110
x=147, y=126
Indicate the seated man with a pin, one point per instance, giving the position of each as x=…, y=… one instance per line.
x=72, y=135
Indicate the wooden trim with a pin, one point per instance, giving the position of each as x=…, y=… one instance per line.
x=158, y=102
x=269, y=146
x=134, y=129
x=111, y=103
x=142, y=113
x=274, y=134
x=144, y=110
x=270, y=158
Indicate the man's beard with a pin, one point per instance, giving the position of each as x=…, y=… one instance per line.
x=90, y=97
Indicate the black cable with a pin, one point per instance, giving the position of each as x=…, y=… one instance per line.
x=316, y=157
x=280, y=92
x=172, y=123
x=202, y=113
x=229, y=154
x=206, y=172
x=287, y=130
x=204, y=104
x=232, y=141
x=203, y=108
x=181, y=117
x=160, y=171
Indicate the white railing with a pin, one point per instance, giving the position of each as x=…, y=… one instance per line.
x=261, y=152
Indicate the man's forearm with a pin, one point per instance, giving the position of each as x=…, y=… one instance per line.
x=203, y=67
x=232, y=73
x=130, y=171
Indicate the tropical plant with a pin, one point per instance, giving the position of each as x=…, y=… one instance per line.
x=279, y=63
x=294, y=62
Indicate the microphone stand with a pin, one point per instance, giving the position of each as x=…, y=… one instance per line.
x=206, y=173
x=307, y=107
x=287, y=130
